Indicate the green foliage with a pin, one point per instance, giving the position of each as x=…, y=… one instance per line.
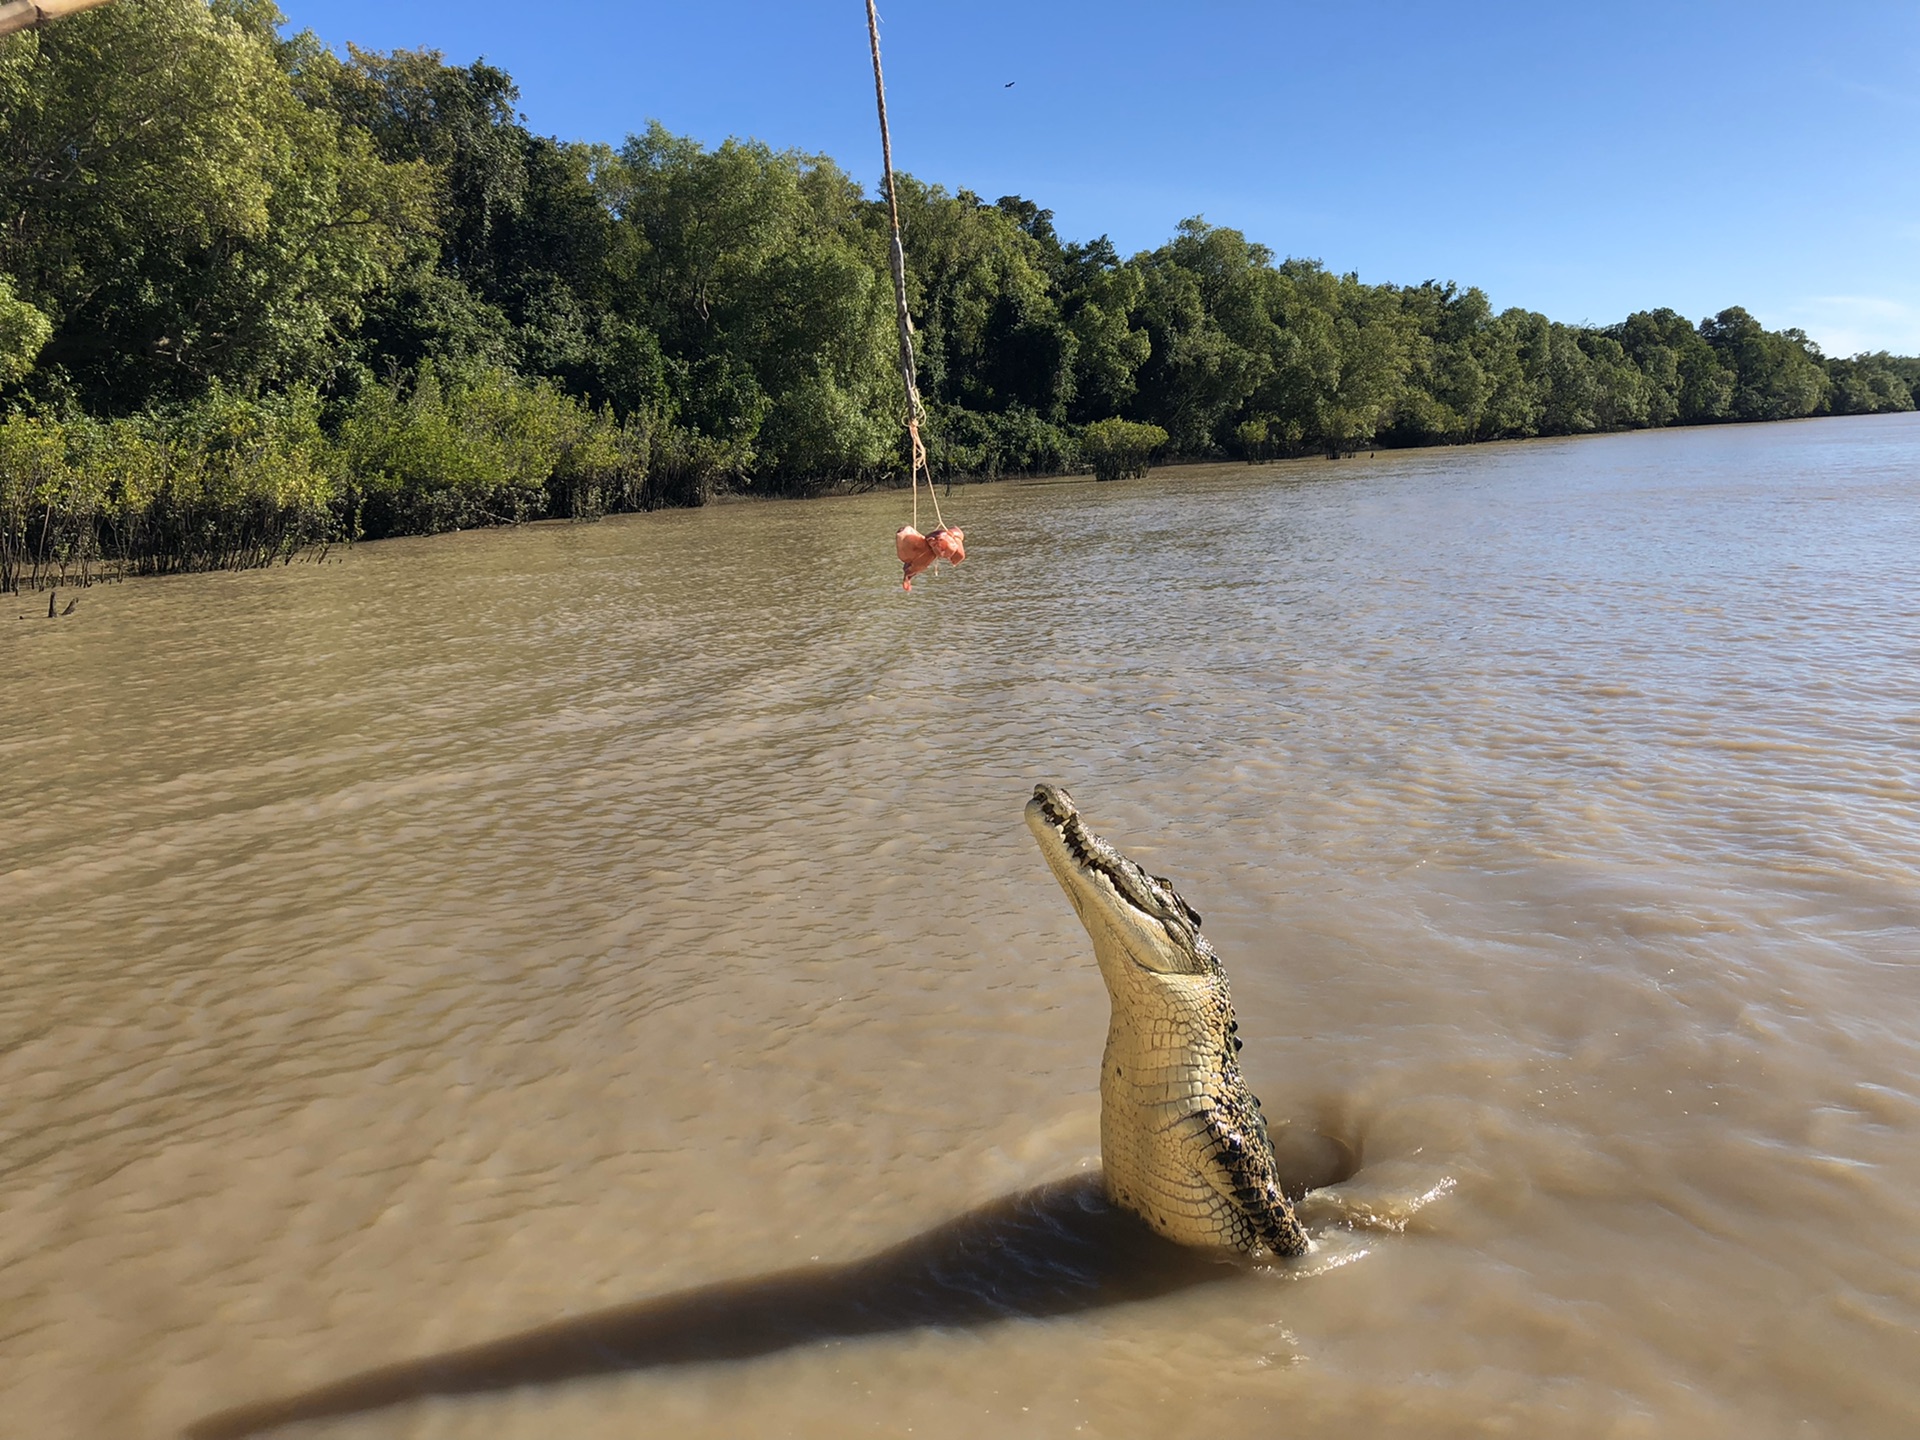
x=989, y=445
x=1902, y=370
x=1777, y=376
x=1254, y=439
x=471, y=450
x=991, y=339
x=603, y=467
x=690, y=468
x=24, y=331
x=1119, y=449
x=352, y=294
x=34, y=479
x=1100, y=300
x=1448, y=384
x=1267, y=437
x=185, y=220
x=237, y=482
x=817, y=433
x=1210, y=332
x=1871, y=384
x=221, y=483
x=1686, y=379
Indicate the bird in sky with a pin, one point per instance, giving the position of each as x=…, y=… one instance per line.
x=1009, y=85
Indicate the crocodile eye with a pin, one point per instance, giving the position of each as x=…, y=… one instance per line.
x=1174, y=895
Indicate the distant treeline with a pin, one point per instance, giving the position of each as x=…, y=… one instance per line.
x=255, y=295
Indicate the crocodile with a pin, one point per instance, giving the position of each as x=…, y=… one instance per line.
x=1183, y=1143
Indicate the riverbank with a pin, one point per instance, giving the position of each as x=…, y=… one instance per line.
x=82, y=504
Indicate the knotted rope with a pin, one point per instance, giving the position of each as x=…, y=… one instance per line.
x=915, y=414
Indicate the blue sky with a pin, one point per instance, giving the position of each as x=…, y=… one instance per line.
x=1582, y=160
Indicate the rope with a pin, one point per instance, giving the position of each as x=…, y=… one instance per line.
x=898, y=255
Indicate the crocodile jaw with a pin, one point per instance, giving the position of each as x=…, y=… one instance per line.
x=1137, y=921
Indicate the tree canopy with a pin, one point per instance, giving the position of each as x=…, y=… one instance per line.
x=201, y=211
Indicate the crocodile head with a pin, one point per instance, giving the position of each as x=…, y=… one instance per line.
x=1136, y=920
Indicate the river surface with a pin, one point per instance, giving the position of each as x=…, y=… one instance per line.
x=617, y=948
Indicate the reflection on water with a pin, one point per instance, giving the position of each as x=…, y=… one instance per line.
x=505, y=984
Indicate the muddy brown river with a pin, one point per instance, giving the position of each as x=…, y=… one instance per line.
x=594, y=981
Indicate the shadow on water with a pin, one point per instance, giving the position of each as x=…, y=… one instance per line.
x=1058, y=1249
